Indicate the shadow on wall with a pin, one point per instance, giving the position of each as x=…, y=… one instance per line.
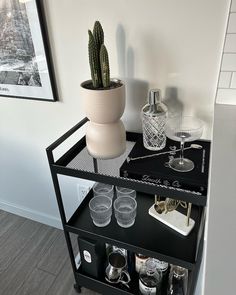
x=175, y=106
x=136, y=89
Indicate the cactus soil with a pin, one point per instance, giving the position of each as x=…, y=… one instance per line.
x=112, y=86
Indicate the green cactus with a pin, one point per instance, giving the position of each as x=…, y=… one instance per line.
x=94, y=61
x=98, y=58
x=98, y=35
x=105, y=70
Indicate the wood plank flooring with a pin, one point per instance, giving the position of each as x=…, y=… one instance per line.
x=34, y=259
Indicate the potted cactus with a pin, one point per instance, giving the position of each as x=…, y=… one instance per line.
x=104, y=102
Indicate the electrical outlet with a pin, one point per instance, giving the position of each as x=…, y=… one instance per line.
x=83, y=187
x=82, y=191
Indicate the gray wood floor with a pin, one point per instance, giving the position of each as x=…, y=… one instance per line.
x=34, y=259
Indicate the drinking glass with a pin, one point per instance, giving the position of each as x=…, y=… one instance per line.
x=123, y=191
x=101, y=210
x=125, y=211
x=103, y=189
x=183, y=129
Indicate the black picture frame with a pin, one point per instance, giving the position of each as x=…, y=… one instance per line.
x=33, y=74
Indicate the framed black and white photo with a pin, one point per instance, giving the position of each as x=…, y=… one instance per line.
x=26, y=69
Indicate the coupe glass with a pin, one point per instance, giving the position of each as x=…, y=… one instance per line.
x=183, y=129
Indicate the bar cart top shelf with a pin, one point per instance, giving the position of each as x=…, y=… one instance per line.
x=78, y=163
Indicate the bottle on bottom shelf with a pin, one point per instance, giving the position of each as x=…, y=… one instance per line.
x=155, y=277
x=150, y=278
x=178, y=280
x=165, y=270
x=140, y=260
x=163, y=266
x=174, y=279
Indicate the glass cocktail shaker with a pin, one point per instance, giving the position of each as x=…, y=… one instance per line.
x=154, y=117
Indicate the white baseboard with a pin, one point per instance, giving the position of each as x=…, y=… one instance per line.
x=31, y=214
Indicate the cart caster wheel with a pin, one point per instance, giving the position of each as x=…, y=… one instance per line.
x=77, y=288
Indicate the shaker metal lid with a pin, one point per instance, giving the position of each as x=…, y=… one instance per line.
x=154, y=96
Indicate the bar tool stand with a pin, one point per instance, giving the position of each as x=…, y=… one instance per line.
x=171, y=217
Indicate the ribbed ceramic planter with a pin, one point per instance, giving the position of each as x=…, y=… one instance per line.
x=106, y=141
x=105, y=136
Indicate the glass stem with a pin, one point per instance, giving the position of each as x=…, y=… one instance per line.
x=181, y=152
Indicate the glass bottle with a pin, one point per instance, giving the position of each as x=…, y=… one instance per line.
x=154, y=116
x=150, y=278
x=178, y=280
x=140, y=259
x=164, y=268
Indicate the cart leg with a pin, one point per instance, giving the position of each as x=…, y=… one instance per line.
x=77, y=288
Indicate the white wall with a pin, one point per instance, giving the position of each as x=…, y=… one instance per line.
x=173, y=45
x=221, y=238
x=220, y=226
x=226, y=92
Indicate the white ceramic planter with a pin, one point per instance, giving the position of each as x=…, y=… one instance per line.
x=104, y=106
x=106, y=141
x=105, y=136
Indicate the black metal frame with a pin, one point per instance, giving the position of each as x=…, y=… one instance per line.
x=50, y=156
x=56, y=168
x=48, y=55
